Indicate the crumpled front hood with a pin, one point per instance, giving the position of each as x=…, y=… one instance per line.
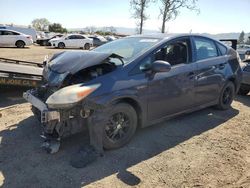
x=74, y=61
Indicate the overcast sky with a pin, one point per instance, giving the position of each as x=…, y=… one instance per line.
x=216, y=16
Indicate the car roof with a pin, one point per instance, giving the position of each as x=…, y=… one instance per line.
x=11, y=31
x=165, y=37
x=169, y=36
x=75, y=34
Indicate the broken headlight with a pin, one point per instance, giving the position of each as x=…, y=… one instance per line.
x=70, y=95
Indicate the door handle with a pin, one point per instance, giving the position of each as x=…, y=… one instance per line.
x=222, y=66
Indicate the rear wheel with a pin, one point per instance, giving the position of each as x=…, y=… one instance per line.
x=226, y=96
x=87, y=46
x=61, y=45
x=20, y=44
x=121, y=126
x=243, y=91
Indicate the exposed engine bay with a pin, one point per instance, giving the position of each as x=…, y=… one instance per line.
x=66, y=110
x=89, y=73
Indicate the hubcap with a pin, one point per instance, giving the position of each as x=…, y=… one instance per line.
x=117, y=126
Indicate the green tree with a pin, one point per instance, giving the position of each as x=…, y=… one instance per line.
x=57, y=28
x=170, y=9
x=241, y=37
x=40, y=24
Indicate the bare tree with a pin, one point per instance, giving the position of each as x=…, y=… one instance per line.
x=139, y=13
x=170, y=9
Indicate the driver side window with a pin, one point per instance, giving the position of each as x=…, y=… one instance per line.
x=175, y=52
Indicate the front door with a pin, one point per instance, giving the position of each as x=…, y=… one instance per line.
x=172, y=92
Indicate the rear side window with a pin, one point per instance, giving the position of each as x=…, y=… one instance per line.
x=205, y=48
x=223, y=49
x=79, y=37
x=72, y=37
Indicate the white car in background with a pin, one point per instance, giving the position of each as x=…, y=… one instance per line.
x=14, y=38
x=72, y=41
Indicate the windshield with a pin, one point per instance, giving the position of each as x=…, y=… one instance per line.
x=128, y=48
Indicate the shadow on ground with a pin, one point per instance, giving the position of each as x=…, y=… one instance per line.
x=24, y=164
x=26, y=47
x=243, y=99
x=11, y=95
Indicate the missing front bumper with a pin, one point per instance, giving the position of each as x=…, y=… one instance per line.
x=46, y=114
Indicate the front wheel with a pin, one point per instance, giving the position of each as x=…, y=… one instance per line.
x=61, y=45
x=226, y=96
x=121, y=126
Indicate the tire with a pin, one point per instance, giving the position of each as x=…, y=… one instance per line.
x=226, y=96
x=121, y=126
x=20, y=44
x=61, y=45
x=87, y=46
x=243, y=91
x=44, y=43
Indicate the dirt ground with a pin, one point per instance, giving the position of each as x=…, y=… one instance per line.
x=208, y=148
x=33, y=53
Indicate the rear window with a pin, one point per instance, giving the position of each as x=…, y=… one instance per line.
x=205, y=48
x=223, y=49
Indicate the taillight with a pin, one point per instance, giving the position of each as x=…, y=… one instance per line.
x=29, y=37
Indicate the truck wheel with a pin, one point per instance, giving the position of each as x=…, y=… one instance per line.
x=20, y=44
x=243, y=91
x=87, y=46
x=121, y=126
x=226, y=96
x=61, y=45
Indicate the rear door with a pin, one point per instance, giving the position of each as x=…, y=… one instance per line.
x=81, y=40
x=211, y=64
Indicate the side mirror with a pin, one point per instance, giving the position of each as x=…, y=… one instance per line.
x=160, y=66
x=66, y=38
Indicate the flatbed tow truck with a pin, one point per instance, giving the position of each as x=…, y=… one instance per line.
x=20, y=73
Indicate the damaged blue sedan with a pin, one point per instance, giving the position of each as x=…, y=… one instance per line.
x=132, y=82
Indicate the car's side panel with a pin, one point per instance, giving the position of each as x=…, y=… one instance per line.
x=171, y=92
x=119, y=90
x=210, y=78
x=68, y=43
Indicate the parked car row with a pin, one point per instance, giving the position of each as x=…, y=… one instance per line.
x=244, y=52
x=20, y=40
